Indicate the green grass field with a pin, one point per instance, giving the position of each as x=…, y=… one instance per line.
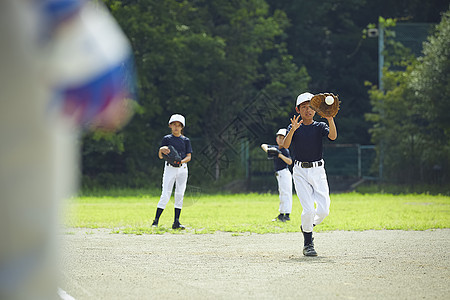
x=133, y=212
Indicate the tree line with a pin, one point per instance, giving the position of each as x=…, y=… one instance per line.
x=234, y=69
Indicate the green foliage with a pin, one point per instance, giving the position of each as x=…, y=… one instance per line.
x=395, y=132
x=253, y=213
x=430, y=81
x=209, y=59
x=204, y=59
x=384, y=188
x=410, y=121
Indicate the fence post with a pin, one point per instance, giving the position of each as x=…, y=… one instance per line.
x=359, y=161
x=380, y=55
x=249, y=173
x=380, y=168
x=245, y=154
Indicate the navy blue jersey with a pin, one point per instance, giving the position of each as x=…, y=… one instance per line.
x=307, y=141
x=278, y=163
x=181, y=143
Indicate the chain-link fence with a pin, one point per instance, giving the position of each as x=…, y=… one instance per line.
x=412, y=35
x=346, y=164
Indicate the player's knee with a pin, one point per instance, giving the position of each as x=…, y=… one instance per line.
x=308, y=213
x=322, y=214
x=179, y=195
x=165, y=195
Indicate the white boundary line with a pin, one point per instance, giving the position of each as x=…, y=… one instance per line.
x=63, y=295
x=78, y=287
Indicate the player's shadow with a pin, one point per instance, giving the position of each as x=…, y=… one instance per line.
x=309, y=259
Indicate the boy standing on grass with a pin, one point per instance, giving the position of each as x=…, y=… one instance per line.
x=309, y=174
x=283, y=175
x=178, y=174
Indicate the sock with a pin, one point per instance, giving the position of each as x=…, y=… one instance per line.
x=308, y=238
x=177, y=214
x=158, y=213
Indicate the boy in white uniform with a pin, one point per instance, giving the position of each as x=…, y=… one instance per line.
x=309, y=175
x=177, y=175
x=283, y=175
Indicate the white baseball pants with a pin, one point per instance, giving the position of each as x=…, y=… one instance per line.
x=284, y=179
x=171, y=176
x=312, y=188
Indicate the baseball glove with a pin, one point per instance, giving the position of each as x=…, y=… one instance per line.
x=173, y=158
x=322, y=108
x=272, y=153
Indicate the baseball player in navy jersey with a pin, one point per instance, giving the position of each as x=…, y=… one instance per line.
x=177, y=175
x=283, y=175
x=306, y=136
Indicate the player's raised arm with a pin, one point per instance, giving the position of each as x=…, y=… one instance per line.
x=333, y=131
x=295, y=124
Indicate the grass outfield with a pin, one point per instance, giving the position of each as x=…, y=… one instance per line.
x=133, y=212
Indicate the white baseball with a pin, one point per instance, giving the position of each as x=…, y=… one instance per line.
x=329, y=100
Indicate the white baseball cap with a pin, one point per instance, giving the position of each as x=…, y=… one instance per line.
x=177, y=117
x=303, y=98
x=282, y=132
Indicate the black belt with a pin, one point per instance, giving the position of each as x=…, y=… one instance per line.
x=173, y=165
x=309, y=164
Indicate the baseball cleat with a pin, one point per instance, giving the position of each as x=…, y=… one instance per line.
x=155, y=223
x=286, y=218
x=308, y=250
x=280, y=218
x=177, y=225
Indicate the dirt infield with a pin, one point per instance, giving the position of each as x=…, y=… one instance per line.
x=351, y=265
